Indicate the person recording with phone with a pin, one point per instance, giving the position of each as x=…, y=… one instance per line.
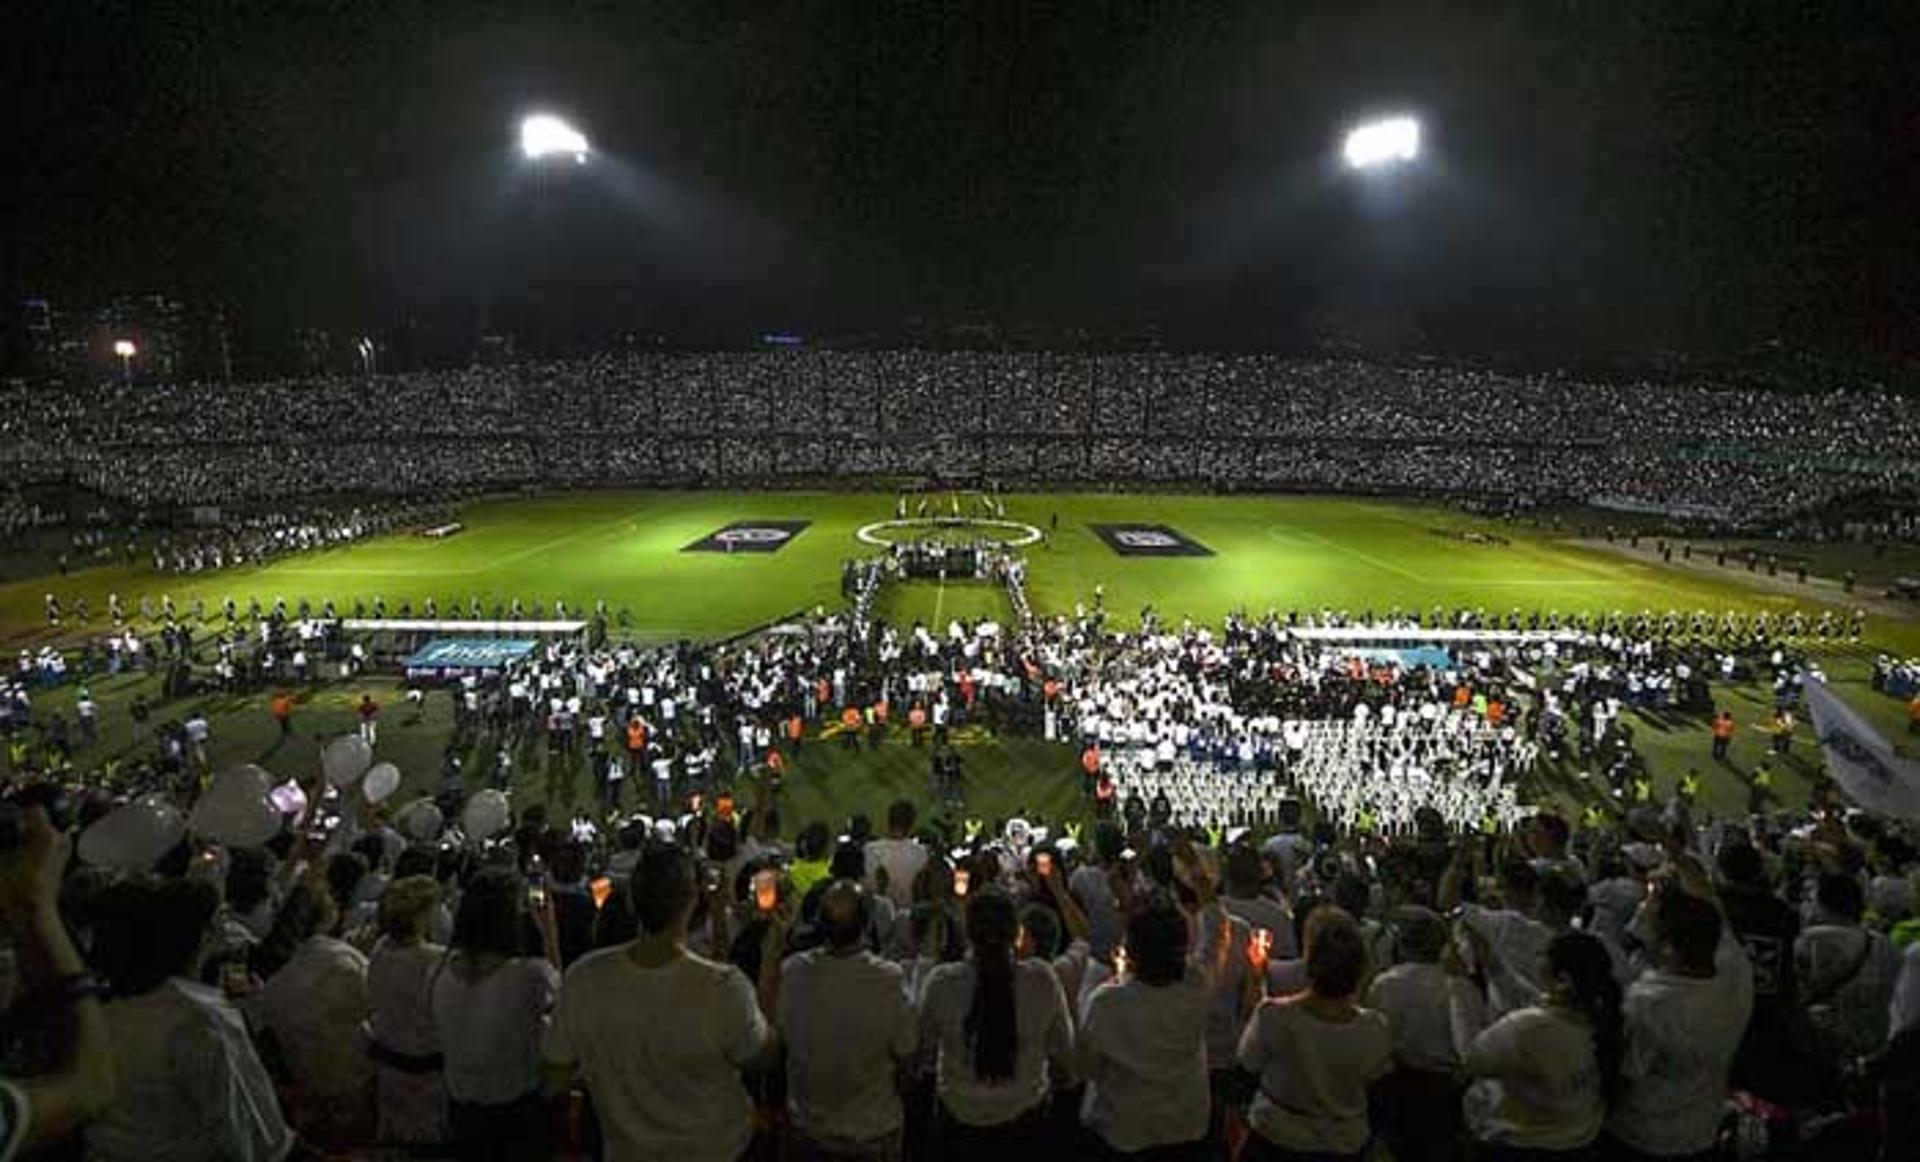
x=492, y=1003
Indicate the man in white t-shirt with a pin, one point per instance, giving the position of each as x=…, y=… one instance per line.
x=1420, y=1103
x=1245, y=897
x=1845, y=970
x=1142, y=1043
x=1684, y=1021
x=662, y=1034
x=847, y=1024
x=1514, y=939
x=899, y=855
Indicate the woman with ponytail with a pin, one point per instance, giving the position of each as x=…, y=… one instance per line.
x=1543, y=1075
x=1000, y=1028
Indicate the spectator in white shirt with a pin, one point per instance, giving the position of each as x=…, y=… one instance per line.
x=1845, y=972
x=1418, y=1105
x=1000, y=1029
x=1516, y=942
x=1684, y=1020
x=1142, y=1042
x=848, y=1027
x=1248, y=897
x=314, y=1006
x=1543, y=1074
x=894, y=863
x=410, y=1099
x=1093, y=887
x=1316, y=1052
x=660, y=1034
x=491, y=1003
x=190, y=1085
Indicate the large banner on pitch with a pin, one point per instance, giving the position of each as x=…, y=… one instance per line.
x=1149, y=541
x=469, y=653
x=749, y=536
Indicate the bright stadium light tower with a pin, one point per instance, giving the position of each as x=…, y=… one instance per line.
x=1381, y=144
x=542, y=135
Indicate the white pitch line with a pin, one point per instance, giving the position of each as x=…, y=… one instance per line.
x=1291, y=533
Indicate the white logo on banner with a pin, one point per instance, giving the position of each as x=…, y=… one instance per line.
x=1145, y=539
x=751, y=536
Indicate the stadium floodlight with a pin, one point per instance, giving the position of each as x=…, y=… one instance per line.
x=1382, y=143
x=542, y=135
x=125, y=349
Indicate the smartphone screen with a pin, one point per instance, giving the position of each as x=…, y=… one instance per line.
x=960, y=877
x=766, y=890
x=602, y=888
x=1043, y=863
x=536, y=896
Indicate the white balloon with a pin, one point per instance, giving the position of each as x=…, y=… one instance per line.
x=235, y=819
x=486, y=815
x=345, y=759
x=420, y=820
x=134, y=835
x=381, y=782
x=241, y=782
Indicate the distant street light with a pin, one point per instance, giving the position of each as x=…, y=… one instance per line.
x=366, y=349
x=1378, y=144
x=542, y=135
x=125, y=349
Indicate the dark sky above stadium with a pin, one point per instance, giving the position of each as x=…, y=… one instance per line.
x=1602, y=174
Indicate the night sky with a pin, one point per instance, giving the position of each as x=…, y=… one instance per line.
x=1602, y=175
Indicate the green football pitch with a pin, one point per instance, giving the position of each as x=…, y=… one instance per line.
x=631, y=550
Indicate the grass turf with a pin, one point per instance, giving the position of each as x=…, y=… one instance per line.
x=627, y=548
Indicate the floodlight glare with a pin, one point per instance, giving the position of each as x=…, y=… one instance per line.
x=124, y=348
x=544, y=135
x=1378, y=143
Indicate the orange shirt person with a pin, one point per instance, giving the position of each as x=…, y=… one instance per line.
x=1722, y=734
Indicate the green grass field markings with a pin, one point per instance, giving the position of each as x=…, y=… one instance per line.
x=1349, y=550
x=630, y=517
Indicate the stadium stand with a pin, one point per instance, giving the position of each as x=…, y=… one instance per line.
x=1736, y=455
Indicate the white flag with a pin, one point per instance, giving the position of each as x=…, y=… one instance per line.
x=1860, y=760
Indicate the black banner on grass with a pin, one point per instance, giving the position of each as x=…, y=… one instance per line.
x=1149, y=541
x=749, y=536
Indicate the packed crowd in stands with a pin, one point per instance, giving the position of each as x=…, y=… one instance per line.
x=1227, y=422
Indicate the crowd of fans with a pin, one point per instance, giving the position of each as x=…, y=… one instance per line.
x=1311, y=917
x=695, y=989
x=1220, y=421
